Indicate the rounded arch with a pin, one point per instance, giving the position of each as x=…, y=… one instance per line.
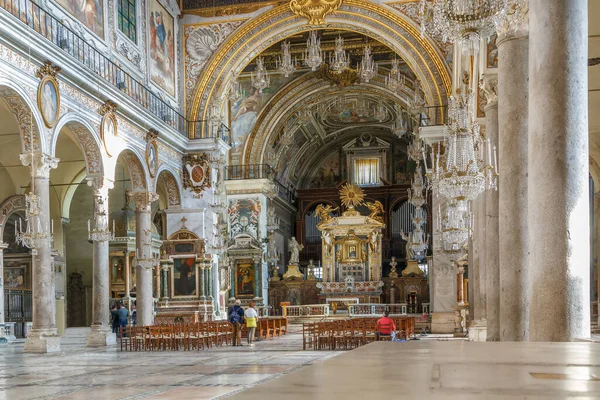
x=27, y=115
x=369, y=19
x=170, y=180
x=139, y=175
x=10, y=206
x=86, y=138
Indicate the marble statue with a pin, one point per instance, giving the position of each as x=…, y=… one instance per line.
x=295, y=249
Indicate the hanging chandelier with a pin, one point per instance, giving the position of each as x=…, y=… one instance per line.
x=417, y=240
x=215, y=115
x=460, y=172
x=367, y=69
x=35, y=234
x=100, y=231
x=217, y=203
x=285, y=65
x=260, y=77
x=456, y=227
x=313, y=55
x=395, y=81
x=399, y=128
x=236, y=91
x=416, y=105
x=339, y=61
x=380, y=112
x=464, y=21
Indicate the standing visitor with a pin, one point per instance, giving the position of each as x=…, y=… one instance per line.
x=385, y=326
x=133, y=313
x=114, y=316
x=236, y=318
x=251, y=317
x=123, y=313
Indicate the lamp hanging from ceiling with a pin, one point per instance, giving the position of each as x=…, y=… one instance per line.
x=285, y=65
x=395, y=81
x=236, y=91
x=380, y=112
x=367, y=69
x=455, y=226
x=260, y=77
x=313, y=55
x=339, y=61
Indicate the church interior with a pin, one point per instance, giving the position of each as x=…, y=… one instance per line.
x=323, y=162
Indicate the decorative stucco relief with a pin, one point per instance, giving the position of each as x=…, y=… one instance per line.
x=200, y=43
x=93, y=157
x=22, y=113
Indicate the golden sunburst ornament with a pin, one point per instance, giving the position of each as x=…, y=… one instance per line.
x=351, y=196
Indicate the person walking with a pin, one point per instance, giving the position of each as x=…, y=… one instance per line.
x=114, y=316
x=251, y=317
x=236, y=318
x=123, y=313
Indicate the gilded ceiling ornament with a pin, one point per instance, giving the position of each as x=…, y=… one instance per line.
x=108, y=107
x=314, y=10
x=346, y=78
x=351, y=196
x=47, y=70
x=196, y=172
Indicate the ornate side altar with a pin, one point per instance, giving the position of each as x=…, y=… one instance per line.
x=351, y=250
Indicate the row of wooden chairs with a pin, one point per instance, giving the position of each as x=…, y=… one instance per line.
x=348, y=334
x=272, y=327
x=190, y=336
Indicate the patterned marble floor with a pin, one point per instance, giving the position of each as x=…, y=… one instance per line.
x=81, y=373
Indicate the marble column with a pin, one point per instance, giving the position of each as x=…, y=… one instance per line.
x=101, y=334
x=492, y=260
x=164, y=294
x=43, y=338
x=3, y=339
x=127, y=275
x=143, y=240
x=460, y=283
x=480, y=293
x=209, y=281
x=257, y=285
x=513, y=75
x=558, y=211
x=232, y=282
x=200, y=270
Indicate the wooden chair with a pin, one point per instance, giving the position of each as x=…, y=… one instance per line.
x=308, y=335
x=125, y=336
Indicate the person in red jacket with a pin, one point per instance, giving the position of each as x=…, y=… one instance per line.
x=385, y=325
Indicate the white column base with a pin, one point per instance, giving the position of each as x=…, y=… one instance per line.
x=42, y=341
x=478, y=331
x=442, y=322
x=101, y=336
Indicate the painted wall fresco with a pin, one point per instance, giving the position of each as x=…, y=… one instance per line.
x=244, y=276
x=184, y=278
x=162, y=47
x=243, y=217
x=328, y=173
x=89, y=12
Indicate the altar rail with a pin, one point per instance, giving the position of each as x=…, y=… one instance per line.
x=376, y=310
x=311, y=310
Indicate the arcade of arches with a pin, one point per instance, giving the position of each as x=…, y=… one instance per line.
x=175, y=157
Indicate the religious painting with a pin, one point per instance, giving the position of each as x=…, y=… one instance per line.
x=152, y=157
x=89, y=12
x=244, y=215
x=244, y=112
x=109, y=132
x=48, y=98
x=328, y=173
x=184, y=276
x=352, y=251
x=162, y=47
x=14, y=278
x=244, y=279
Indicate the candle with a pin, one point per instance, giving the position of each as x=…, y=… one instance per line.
x=489, y=148
x=20, y=225
x=424, y=158
x=113, y=227
x=495, y=161
x=89, y=226
x=52, y=226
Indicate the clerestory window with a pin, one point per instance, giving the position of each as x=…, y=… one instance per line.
x=126, y=15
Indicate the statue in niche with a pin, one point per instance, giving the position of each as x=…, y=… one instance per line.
x=295, y=249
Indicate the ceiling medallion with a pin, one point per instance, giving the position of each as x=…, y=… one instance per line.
x=346, y=78
x=314, y=10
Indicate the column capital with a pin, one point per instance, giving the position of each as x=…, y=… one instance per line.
x=488, y=85
x=41, y=163
x=514, y=24
x=143, y=200
x=100, y=184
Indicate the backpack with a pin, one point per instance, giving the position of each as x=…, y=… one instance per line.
x=234, y=316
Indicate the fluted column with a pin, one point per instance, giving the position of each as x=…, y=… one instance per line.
x=143, y=240
x=3, y=339
x=558, y=171
x=492, y=262
x=101, y=334
x=43, y=338
x=513, y=75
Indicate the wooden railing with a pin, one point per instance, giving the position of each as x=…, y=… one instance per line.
x=311, y=310
x=376, y=310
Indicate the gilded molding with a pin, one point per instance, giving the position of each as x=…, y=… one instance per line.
x=314, y=10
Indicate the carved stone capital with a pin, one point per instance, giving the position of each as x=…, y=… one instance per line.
x=488, y=85
x=108, y=107
x=143, y=200
x=40, y=163
x=514, y=24
x=100, y=185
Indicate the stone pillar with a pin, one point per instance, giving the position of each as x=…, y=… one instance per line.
x=232, y=282
x=101, y=334
x=157, y=281
x=513, y=75
x=209, y=281
x=127, y=275
x=200, y=270
x=3, y=339
x=257, y=285
x=43, y=338
x=164, y=294
x=492, y=262
x=460, y=283
x=143, y=239
x=558, y=211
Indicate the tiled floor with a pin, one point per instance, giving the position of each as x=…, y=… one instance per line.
x=81, y=373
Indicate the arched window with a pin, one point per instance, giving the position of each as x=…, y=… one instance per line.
x=126, y=16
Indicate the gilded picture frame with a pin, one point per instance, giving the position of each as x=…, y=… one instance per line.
x=352, y=251
x=48, y=99
x=109, y=131
x=152, y=157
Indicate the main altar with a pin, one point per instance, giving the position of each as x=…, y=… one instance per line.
x=351, y=249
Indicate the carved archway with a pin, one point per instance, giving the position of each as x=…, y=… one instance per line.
x=138, y=175
x=10, y=206
x=167, y=179
x=26, y=115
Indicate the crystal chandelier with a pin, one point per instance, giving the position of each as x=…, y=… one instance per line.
x=285, y=65
x=395, y=81
x=100, y=232
x=416, y=105
x=417, y=239
x=339, y=61
x=260, y=77
x=367, y=69
x=399, y=128
x=380, y=112
x=465, y=21
x=217, y=203
x=462, y=174
x=35, y=234
x=236, y=91
x=313, y=56
x=456, y=227
x=215, y=115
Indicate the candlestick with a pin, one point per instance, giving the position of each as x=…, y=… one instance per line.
x=489, y=148
x=495, y=161
x=52, y=226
